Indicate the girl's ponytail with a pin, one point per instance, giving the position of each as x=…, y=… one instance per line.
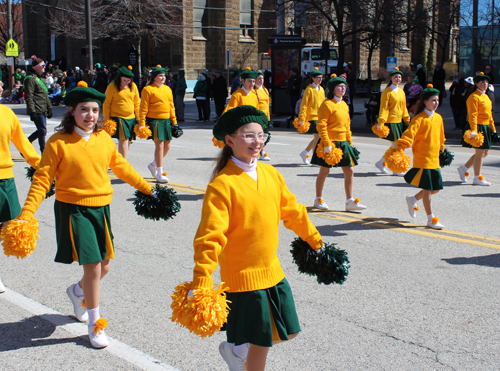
x=221, y=161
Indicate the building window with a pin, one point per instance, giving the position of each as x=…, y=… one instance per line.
x=199, y=19
x=246, y=20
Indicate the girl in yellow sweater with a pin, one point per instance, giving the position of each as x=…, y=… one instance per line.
x=313, y=96
x=426, y=137
x=393, y=113
x=264, y=101
x=122, y=105
x=79, y=155
x=242, y=209
x=158, y=112
x=245, y=95
x=11, y=131
x=480, y=121
x=334, y=128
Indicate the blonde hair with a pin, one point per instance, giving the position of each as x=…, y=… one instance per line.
x=1, y=83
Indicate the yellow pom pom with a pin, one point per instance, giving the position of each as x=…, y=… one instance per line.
x=477, y=141
x=304, y=128
x=19, y=237
x=430, y=86
x=466, y=174
x=218, y=143
x=249, y=69
x=316, y=69
x=100, y=325
x=333, y=75
x=435, y=220
x=332, y=158
x=158, y=65
x=165, y=173
x=84, y=304
x=204, y=313
x=82, y=84
x=109, y=126
x=356, y=200
x=143, y=133
x=397, y=161
x=259, y=71
x=481, y=73
x=307, y=156
x=129, y=67
x=481, y=177
x=320, y=200
x=385, y=164
x=382, y=131
x=396, y=69
x=416, y=208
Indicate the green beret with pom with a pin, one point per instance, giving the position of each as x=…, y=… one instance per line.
x=82, y=94
x=235, y=118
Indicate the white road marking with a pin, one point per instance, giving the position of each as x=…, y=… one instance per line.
x=115, y=347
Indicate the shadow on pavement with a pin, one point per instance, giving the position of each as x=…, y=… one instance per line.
x=190, y=197
x=482, y=195
x=197, y=159
x=485, y=261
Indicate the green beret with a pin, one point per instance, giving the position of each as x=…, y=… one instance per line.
x=260, y=73
x=248, y=74
x=333, y=82
x=395, y=71
x=236, y=71
x=157, y=70
x=126, y=72
x=316, y=72
x=428, y=92
x=415, y=80
x=481, y=77
x=235, y=118
x=83, y=94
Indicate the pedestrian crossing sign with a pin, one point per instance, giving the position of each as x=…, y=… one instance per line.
x=11, y=49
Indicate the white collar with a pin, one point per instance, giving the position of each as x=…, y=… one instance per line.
x=482, y=92
x=259, y=87
x=430, y=113
x=338, y=99
x=394, y=88
x=159, y=85
x=84, y=134
x=315, y=86
x=124, y=86
x=245, y=90
x=247, y=168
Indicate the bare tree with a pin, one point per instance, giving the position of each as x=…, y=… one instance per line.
x=448, y=19
x=17, y=25
x=158, y=20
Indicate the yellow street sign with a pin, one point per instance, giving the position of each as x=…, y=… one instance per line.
x=11, y=49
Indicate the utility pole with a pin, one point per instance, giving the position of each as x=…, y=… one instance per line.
x=88, y=24
x=11, y=33
x=281, y=17
x=492, y=29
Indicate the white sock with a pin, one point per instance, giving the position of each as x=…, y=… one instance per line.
x=78, y=290
x=413, y=199
x=304, y=152
x=381, y=161
x=94, y=315
x=348, y=201
x=463, y=167
x=241, y=350
x=429, y=217
x=159, y=170
x=317, y=198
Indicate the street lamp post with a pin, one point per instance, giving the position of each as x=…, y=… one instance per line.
x=88, y=25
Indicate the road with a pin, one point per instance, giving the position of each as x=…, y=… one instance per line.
x=415, y=298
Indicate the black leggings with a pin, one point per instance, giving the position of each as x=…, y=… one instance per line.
x=202, y=107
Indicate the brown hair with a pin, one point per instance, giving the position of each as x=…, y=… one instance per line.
x=330, y=94
x=420, y=105
x=68, y=123
x=221, y=160
x=118, y=82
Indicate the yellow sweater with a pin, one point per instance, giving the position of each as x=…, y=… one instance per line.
x=124, y=103
x=264, y=100
x=240, y=98
x=311, y=100
x=479, y=109
x=393, y=107
x=157, y=103
x=239, y=229
x=11, y=131
x=426, y=137
x=81, y=171
x=334, y=124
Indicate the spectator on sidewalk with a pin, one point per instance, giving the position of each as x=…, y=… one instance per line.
x=351, y=82
x=220, y=93
x=456, y=100
x=293, y=90
x=422, y=79
x=235, y=84
x=438, y=81
x=488, y=70
x=200, y=94
x=180, y=92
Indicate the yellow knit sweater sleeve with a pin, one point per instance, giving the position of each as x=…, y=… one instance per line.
x=106, y=107
x=235, y=100
x=144, y=107
x=137, y=101
x=408, y=136
x=384, y=107
x=473, y=110
x=173, y=118
x=406, y=115
x=348, y=133
x=304, y=105
x=324, y=113
x=22, y=144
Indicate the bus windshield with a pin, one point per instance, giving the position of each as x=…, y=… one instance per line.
x=319, y=55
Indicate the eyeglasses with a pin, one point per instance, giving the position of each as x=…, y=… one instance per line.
x=251, y=137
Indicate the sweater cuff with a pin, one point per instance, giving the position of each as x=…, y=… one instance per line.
x=316, y=242
x=25, y=215
x=202, y=283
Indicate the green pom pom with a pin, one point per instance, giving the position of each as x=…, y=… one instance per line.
x=270, y=125
x=495, y=137
x=331, y=265
x=445, y=158
x=30, y=172
x=176, y=131
x=166, y=206
x=356, y=153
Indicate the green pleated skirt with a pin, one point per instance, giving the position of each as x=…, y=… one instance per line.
x=349, y=157
x=262, y=316
x=160, y=128
x=485, y=129
x=312, y=127
x=396, y=131
x=83, y=233
x=428, y=179
x=9, y=202
x=124, y=128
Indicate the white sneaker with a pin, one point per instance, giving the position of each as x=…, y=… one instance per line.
x=320, y=204
x=398, y=174
x=462, y=173
x=2, y=287
x=412, y=208
x=435, y=225
x=380, y=165
x=305, y=158
x=98, y=338
x=354, y=206
x=264, y=157
x=479, y=180
x=161, y=178
x=234, y=362
x=152, y=169
x=78, y=305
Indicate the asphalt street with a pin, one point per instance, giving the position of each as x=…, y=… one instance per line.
x=415, y=298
